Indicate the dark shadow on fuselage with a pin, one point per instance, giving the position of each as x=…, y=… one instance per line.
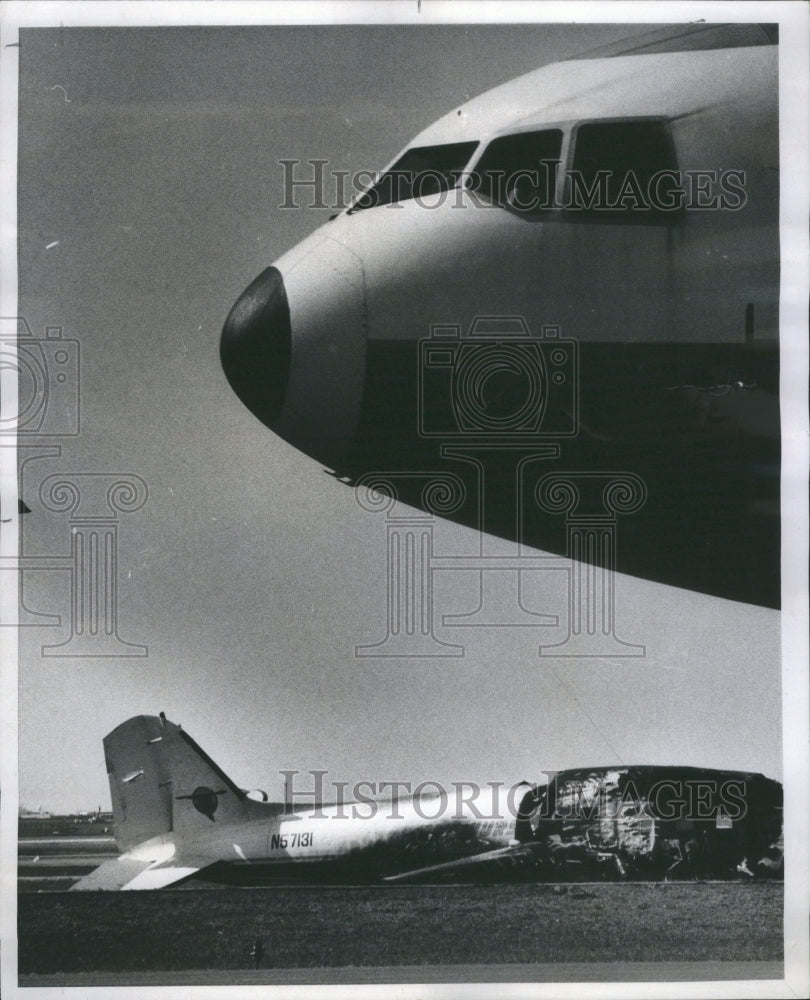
x=699, y=424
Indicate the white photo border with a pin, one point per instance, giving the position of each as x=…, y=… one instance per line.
x=794, y=84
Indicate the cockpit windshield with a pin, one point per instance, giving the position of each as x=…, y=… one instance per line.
x=419, y=173
x=519, y=170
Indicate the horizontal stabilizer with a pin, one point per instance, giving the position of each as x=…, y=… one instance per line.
x=127, y=873
x=114, y=874
x=161, y=876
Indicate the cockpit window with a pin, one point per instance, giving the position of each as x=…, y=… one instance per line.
x=519, y=171
x=419, y=173
x=625, y=169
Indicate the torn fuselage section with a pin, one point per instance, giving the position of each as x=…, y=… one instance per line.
x=655, y=822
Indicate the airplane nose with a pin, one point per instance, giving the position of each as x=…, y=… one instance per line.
x=294, y=347
x=256, y=346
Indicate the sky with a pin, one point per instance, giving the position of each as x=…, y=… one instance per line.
x=149, y=186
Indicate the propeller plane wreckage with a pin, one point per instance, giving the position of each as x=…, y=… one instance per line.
x=178, y=816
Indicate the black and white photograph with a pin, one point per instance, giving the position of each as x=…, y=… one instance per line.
x=404, y=454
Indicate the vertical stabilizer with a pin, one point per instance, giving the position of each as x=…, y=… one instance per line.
x=140, y=782
x=161, y=782
x=203, y=795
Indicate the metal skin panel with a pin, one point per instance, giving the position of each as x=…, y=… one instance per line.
x=670, y=84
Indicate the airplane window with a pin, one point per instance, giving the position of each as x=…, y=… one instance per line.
x=419, y=173
x=627, y=169
x=519, y=171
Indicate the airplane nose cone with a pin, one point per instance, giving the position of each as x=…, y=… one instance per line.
x=294, y=348
x=256, y=346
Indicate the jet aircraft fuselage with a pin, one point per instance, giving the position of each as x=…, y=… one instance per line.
x=585, y=258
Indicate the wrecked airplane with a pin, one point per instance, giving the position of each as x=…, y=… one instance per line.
x=177, y=816
x=654, y=822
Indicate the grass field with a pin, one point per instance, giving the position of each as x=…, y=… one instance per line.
x=309, y=927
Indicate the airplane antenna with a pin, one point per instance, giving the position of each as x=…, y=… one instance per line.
x=590, y=718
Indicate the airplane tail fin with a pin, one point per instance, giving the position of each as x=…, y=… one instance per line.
x=161, y=782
